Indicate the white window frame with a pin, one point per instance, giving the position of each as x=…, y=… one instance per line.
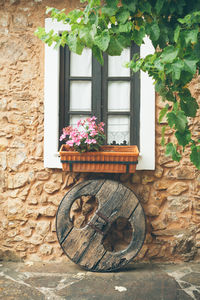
x=51, y=106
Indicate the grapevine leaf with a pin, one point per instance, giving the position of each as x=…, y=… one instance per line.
x=130, y=4
x=98, y=54
x=74, y=44
x=195, y=156
x=159, y=5
x=178, y=120
x=190, y=65
x=169, y=54
x=138, y=35
x=183, y=138
x=189, y=105
x=176, y=33
x=171, y=151
x=191, y=35
x=122, y=15
x=163, y=112
x=102, y=40
x=115, y=47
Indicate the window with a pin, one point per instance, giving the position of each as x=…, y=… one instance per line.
x=110, y=92
x=135, y=110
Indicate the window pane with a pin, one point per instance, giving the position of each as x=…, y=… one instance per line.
x=118, y=129
x=119, y=96
x=80, y=95
x=81, y=65
x=74, y=119
x=115, y=64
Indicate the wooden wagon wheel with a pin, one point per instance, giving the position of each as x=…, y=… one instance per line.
x=100, y=225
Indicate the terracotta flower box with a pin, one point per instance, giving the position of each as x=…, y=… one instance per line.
x=111, y=159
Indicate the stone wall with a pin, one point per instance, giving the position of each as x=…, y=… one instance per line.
x=30, y=194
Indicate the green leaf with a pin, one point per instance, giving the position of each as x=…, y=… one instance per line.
x=191, y=35
x=183, y=138
x=154, y=31
x=122, y=15
x=176, y=33
x=87, y=35
x=159, y=5
x=190, y=65
x=125, y=27
x=112, y=3
x=115, y=46
x=169, y=54
x=195, y=156
x=163, y=112
x=109, y=11
x=171, y=150
x=145, y=6
x=178, y=120
x=138, y=36
x=188, y=104
x=74, y=43
x=130, y=4
x=98, y=54
x=177, y=67
x=102, y=40
x=181, y=121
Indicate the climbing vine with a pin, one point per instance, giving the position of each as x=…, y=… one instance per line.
x=174, y=29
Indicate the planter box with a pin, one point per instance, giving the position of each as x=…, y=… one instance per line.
x=111, y=159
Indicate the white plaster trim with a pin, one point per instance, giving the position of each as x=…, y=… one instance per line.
x=51, y=107
x=147, y=114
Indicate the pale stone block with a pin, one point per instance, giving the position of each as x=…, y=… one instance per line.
x=27, y=231
x=3, y=160
x=36, y=239
x=51, y=187
x=17, y=180
x=178, y=188
x=42, y=175
x=180, y=203
x=48, y=211
x=45, y=249
x=42, y=227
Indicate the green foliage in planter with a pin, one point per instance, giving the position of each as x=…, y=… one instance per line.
x=174, y=29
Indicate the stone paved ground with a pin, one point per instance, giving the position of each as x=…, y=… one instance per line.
x=35, y=281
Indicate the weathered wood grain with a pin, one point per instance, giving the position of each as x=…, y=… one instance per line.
x=85, y=245
x=63, y=223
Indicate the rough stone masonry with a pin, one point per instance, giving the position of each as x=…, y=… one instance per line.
x=30, y=194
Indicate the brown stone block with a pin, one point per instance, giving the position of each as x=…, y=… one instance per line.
x=147, y=179
x=161, y=185
x=152, y=211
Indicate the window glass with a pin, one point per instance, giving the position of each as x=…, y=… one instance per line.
x=80, y=95
x=74, y=119
x=81, y=65
x=115, y=64
x=118, y=96
x=118, y=129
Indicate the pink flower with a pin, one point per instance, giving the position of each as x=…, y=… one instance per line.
x=62, y=137
x=93, y=133
x=70, y=143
